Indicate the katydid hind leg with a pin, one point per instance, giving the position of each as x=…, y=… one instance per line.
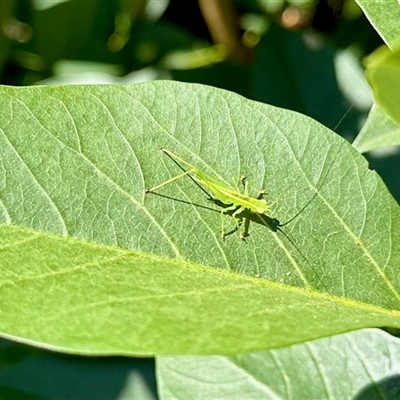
x=168, y=181
x=184, y=173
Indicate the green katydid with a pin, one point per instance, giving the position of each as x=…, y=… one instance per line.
x=238, y=205
x=241, y=206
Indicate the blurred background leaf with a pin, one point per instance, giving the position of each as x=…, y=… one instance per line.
x=29, y=373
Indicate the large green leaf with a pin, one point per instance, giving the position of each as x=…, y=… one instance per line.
x=91, y=264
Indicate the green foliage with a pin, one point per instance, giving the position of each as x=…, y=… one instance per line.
x=378, y=131
x=307, y=371
x=89, y=265
x=383, y=73
x=383, y=125
x=384, y=17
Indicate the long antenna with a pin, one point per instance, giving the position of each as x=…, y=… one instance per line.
x=313, y=197
x=327, y=173
x=275, y=226
x=345, y=114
